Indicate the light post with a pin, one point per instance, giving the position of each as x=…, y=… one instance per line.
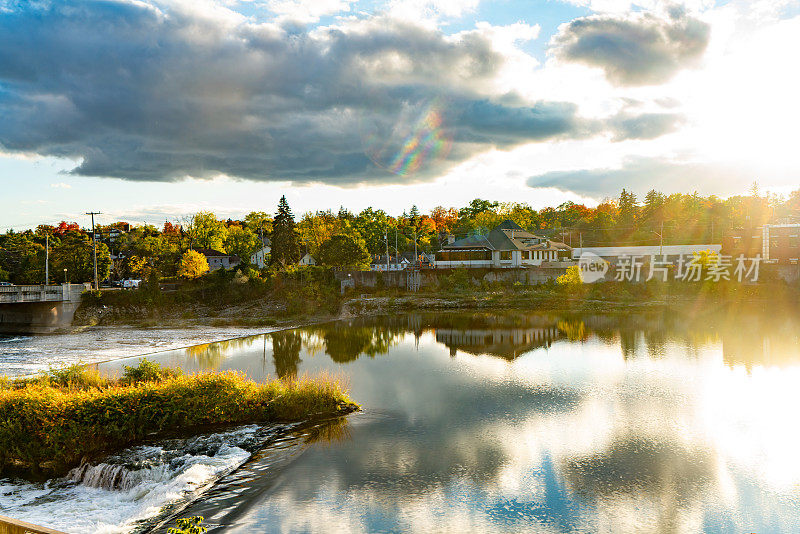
x=65, y=277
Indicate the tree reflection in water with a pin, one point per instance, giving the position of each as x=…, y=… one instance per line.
x=286, y=348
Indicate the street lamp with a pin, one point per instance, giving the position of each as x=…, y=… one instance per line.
x=65, y=276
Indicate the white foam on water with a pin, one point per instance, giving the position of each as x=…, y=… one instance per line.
x=14, y=339
x=25, y=355
x=116, y=495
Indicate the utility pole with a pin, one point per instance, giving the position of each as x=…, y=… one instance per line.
x=94, y=247
x=416, y=258
x=46, y=259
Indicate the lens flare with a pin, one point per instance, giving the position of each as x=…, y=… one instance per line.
x=416, y=140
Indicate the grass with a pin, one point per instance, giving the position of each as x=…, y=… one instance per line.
x=48, y=424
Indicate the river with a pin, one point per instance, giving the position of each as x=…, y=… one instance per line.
x=478, y=422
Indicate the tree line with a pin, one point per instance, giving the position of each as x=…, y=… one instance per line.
x=345, y=238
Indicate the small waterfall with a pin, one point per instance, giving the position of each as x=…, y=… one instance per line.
x=118, y=477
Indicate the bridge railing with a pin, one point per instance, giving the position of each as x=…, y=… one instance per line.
x=41, y=293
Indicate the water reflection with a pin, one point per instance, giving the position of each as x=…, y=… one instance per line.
x=531, y=422
x=286, y=348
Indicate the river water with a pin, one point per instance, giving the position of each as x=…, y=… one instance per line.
x=478, y=423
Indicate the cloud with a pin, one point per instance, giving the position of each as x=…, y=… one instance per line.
x=430, y=9
x=61, y=185
x=644, y=126
x=635, y=49
x=640, y=174
x=306, y=11
x=165, y=91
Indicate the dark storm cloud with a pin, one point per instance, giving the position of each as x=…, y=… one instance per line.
x=160, y=92
x=640, y=49
x=642, y=174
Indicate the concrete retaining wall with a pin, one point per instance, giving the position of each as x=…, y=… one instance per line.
x=430, y=277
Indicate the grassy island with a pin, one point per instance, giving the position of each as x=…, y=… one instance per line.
x=50, y=423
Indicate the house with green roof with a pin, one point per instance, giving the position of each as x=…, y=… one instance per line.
x=507, y=245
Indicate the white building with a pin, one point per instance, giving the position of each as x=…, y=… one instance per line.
x=395, y=263
x=219, y=260
x=260, y=258
x=671, y=252
x=308, y=259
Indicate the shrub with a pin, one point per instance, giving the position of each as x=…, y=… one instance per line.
x=53, y=424
x=189, y=525
x=75, y=376
x=147, y=371
x=458, y=280
x=571, y=278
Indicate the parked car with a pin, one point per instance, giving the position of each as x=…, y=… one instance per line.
x=6, y=284
x=131, y=283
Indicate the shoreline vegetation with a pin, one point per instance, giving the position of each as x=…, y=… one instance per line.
x=58, y=420
x=311, y=294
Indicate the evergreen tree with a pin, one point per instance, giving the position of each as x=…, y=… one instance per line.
x=285, y=246
x=627, y=209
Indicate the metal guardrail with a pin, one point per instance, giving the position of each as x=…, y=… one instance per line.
x=14, y=526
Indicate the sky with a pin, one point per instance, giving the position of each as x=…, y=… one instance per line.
x=149, y=110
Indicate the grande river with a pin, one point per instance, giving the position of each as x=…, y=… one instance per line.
x=512, y=422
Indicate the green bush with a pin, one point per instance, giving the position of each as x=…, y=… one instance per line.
x=147, y=371
x=75, y=376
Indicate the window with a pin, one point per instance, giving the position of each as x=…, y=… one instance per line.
x=464, y=255
x=505, y=254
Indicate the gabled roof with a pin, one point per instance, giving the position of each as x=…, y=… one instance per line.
x=473, y=241
x=508, y=235
x=210, y=252
x=508, y=224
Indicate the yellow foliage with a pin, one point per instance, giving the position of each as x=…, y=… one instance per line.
x=571, y=277
x=193, y=265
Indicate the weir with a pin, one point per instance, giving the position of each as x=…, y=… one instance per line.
x=38, y=309
x=12, y=526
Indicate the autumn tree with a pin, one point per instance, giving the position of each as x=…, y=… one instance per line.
x=344, y=251
x=316, y=228
x=206, y=231
x=285, y=247
x=74, y=253
x=259, y=222
x=22, y=258
x=242, y=241
x=193, y=265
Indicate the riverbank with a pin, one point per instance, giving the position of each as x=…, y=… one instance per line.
x=46, y=420
x=208, y=308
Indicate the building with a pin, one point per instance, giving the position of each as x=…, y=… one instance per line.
x=219, y=260
x=394, y=263
x=508, y=343
x=668, y=253
x=260, y=258
x=775, y=243
x=308, y=259
x=507, y=245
